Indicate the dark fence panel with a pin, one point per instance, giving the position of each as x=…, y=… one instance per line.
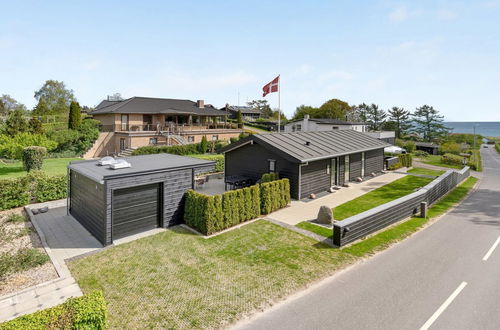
x=370, y=221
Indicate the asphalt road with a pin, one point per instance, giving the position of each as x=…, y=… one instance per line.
x=436, y=279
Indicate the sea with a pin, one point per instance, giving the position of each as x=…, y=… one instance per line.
x=485, y=128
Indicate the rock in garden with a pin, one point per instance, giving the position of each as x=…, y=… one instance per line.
x=373, y=174
x=325, y=215
x=312, y=196
x=359, y=179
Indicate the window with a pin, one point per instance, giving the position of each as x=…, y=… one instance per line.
x=299, y=128
x=215, y=137
x=335, y=127
x=124, y=124
x=191, y=138
x=272, y=165
x=153, y=141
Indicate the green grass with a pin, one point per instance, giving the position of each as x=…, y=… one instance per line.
x=23, y=259
x=176, y=279
x=320, y=230
x=425, y=171
x=436, y=161
x=51, y=166
x=379, y=196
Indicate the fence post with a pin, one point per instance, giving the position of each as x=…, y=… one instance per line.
x=423, y=209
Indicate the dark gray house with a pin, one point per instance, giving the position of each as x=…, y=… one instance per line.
x=312, y=161
x=247, y=113
x=114, y=203
x=430, y=148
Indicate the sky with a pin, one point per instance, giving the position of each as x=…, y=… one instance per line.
x=391, y=53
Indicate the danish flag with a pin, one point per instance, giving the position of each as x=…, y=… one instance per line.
x=272, y=87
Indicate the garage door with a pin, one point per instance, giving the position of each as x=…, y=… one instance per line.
x=135, y=209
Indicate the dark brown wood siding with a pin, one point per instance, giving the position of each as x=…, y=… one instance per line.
x=354, y=166
x=314, y=178
x=87, y=204
x=251, y=160
x=374, y=161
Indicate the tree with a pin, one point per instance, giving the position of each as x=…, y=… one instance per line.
x=239, y=119
x=41, y=108
x=359, y=113
x=56, y=96
x=35, y=126
x=334, y=108
x=203, y=144
x=8, y=104
x=399, y=121
x=303, y=110
x=75, y=116
x=375, y=117
x=262, y=106
x=15, y=123
x=428, y=123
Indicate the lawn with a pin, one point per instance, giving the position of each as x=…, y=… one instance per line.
x=425, y=171
x=176, y=279
x=320, y=230
x=51, y=166
x=436, y=161
x=379, y=196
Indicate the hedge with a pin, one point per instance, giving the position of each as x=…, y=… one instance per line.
x=35, y=187
x=406, y=160
x=497, y=147
x=86, y=312
x=268, y=177
x=219, y=160
x=33, y=158
x=211, y=214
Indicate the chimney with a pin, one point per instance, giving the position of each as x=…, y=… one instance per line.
x=200, y=104
x=305, y=127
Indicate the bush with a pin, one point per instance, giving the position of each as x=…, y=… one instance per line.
x=219, y=160
x=86, y=312
x=268, y=177
x=451, y=159
x=274, y=195
x=34, y=187
x=406, y=160
x=497, y=147
x=408, y=145
x=210, y=214
x=12, y=147
x=395, y=166
x=183, y=150
x=450, y=148
x=33, y=158
x=421, y=153
x=203, y=145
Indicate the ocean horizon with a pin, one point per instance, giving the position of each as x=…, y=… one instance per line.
x=484, y=128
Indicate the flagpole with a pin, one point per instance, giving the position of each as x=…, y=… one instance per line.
x=279, y=103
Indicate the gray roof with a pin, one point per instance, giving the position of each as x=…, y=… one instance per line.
x=140, y=164
x=151, y=105
x=243, y=109
x=322, y=145
x=426, y=144
x=330, y=121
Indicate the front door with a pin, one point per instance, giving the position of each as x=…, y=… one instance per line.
x=333, y=172
x=123, y=144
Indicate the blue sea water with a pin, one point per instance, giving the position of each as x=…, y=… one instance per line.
x=485, y=128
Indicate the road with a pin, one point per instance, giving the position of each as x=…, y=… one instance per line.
x=447, y=276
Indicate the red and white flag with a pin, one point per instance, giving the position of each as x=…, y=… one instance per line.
x=272, y=87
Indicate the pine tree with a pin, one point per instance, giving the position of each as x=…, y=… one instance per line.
x=41, y=108
x=429, y=123
x=203, y=144
x=75, y=116
x=239, y=119
x=15, y=123
x=399, y=119
x=35, y=126
x=375, y=117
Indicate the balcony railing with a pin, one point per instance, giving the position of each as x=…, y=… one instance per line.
x=170, y=128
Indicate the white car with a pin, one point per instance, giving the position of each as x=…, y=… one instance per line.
x=394, y=150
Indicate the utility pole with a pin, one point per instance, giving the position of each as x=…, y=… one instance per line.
x=474, y=151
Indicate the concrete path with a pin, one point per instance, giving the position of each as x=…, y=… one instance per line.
x=446, y=276
x=300, y=211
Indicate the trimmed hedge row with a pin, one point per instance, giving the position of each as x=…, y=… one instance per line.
x=406, y=160
x=218, y=158
x=497, y=147
x=211, y=214
x=268, y=177
x=35, y=187
x=86, y=312
x=182, y=150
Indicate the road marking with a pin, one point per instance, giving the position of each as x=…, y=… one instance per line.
x=441, y=309
x=490, y=251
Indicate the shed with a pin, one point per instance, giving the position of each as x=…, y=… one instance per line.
x=312, y=161
x=430, y=148
x=114, y=203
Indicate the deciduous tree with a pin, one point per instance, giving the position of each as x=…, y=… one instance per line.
x=8, y=104
x=334, y=108
x=56, y=97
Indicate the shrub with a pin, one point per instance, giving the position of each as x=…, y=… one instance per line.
x=497, y=147
x=14, y=193
x=406, y=160
x=268, y=177
x=203, y=145
x=421, y=153
x=49, y=188
x=33, y=158
x=408, y=145
x=219, y=160
x=452, y=159
x=12, y=147
x=86, y=312
x=394, y=166
x=450, y=148
x=183, y=150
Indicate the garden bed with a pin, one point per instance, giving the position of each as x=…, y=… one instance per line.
x=23, y=261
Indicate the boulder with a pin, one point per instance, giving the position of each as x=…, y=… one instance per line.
x=325, y=215
x=359, y=179
x=312, y=196
x=373, y=174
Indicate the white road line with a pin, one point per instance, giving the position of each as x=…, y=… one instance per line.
x=441, y=309
x=490, y=251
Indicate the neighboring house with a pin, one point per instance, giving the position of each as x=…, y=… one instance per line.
x=312, y=161
x=112, y=204
x=142, y=121
x=247, y=113
x=430, y=148
x=308, y=124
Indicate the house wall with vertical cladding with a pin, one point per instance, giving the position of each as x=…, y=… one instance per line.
x=341, y=170
x=251, y=160
x=354, y=166
x=88, y=204
x=175, y=184
x=314, y=178
x=374, y=161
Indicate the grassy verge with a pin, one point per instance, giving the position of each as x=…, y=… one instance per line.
x=436, y=161
x=379, y=196
x=497, y=147
x=51, y=166
x=178, y=280
x=323, y=231
x=425, y=171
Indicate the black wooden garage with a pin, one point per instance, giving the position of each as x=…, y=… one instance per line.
x=312, y=161
x=115, y=203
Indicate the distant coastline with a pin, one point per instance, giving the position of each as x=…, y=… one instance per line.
x=485, y=128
